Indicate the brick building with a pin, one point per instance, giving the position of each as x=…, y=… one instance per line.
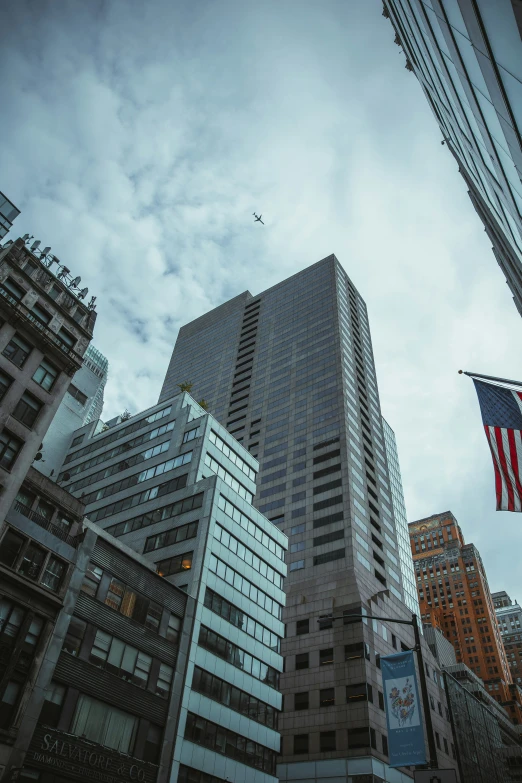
x=454, y=596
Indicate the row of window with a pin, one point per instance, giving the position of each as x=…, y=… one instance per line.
x=238, y=657
x=247, y=524
x=175, y=564
x=232, y=455
x=32, y=560
x=363, y=737
x=130, y=603
x=245, y=586
x=237, y=548
x=179, y=482
x=173, y=536
x=37, y=313
x=244, y=622
x=103, y=442
x=117, y=450
x=235, y=746
x=101, y=723
x=119, y=658
x=158, y=515
x=227, y=477
x=138, y=478
x=153, y=451
x=223, y=692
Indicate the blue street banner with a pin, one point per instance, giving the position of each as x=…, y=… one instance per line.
x=403, y=710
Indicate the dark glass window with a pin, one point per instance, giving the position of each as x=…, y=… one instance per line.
x=67, y=338
x=326, y=656
x=41, y=313
x=301, y=743
x=54, y=573
x=52, y=705
x=17, y=350
x=301, y=700
x=359, y=737
x=221, y=691
x=327, y=697
x=74, y=636
x=10, y=447
x=27, y=409
x=5, y=382
x=77, y=394
x=381, y=700
x=227, y=742
x=175, y=565
x=10, y=547
x=353, y=651
x=13, y=289
x=302, y=627
x=302, y=661
x=32, y=561
x=327, y=741
x=45, y=376
x=8, y=703
x=356, y=692
x=152, y=744
x=92, y=579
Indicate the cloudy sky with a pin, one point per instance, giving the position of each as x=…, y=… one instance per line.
x=138, y=138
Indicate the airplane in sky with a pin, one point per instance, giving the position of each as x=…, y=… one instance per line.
x=258, y=217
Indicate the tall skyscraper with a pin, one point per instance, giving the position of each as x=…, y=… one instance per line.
x=290, y=373
x=467, y=56
x=509, y=615
x=8, y=213
x=454, y=596
x=401, y=521
x=83, y=402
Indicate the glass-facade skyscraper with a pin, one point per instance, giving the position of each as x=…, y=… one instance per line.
x=467, y=55
x=401, y=521
x=290, y=373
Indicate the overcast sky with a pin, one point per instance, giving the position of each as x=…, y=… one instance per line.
x=138, y=138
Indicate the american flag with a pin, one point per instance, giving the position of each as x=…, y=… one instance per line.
x=501, y=410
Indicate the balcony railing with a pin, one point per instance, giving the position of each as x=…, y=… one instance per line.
x=46, y=524
x=23, y=313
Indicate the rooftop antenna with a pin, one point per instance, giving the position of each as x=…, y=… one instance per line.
x=36, y=244
x=26, y=237
x=46, y=250
x=75, y=283
x=83, y=293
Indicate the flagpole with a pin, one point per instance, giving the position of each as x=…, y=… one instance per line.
x=490, y=378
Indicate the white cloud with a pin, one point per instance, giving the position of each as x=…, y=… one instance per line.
x=138, y=139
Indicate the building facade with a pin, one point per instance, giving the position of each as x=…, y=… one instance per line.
x=509, y=616
x=82, y=403
x=175, y=486
x=45, y=329
x=467, y=56
x=95, y=649
x=488, y=746
x=290, y=374
x=454, y=596
x=8, y=213
x=401, y=520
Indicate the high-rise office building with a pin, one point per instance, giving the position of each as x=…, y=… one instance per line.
x=454, y=596
x=8, y=213
x=45, y=329
x=509, y=616
x=82, y=403
x=467, y=56
x=401, y=520
x=290, y=373
x=174, y=485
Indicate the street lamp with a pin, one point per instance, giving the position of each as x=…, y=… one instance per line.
x=414, y=622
